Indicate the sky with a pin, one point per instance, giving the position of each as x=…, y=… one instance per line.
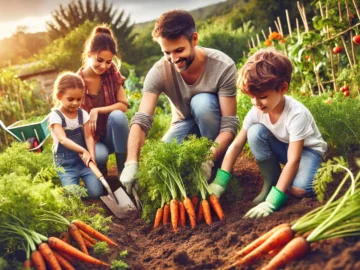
x=33, y=14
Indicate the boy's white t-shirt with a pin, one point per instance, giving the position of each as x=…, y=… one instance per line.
x=71, y=124
x=295, y=123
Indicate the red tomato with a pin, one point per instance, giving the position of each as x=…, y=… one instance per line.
x=307, y=57
x=356, y=39
x=337, y=49
x=344, y=88
x=346, y=93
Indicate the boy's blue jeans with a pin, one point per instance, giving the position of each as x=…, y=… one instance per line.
x=205, y=120
x=117, y=132
x=264, y=144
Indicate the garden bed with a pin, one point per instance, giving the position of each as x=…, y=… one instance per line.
x=210, y=247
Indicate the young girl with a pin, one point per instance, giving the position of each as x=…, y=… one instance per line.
x=70, y=129
x=105, y=98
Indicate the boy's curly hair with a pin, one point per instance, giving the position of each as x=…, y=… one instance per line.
x=267, y=69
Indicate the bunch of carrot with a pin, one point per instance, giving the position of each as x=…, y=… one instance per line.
x=337, y=218
x=55, y=252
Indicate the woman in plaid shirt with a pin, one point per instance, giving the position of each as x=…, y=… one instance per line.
x=105, y=98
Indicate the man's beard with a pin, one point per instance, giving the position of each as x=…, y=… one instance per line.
x=188, y=61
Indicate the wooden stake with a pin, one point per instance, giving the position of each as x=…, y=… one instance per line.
x=253, y=42
x=331, y=53
x=270, y=31
x=347, y=52
x=340, y=13
x=280, y=26
x=288, y=22
x=249, y=45
x=297, y=28
x=356, y=8
x=277, y=27
x=258, y=39
x=262, y=31
x=351, y=33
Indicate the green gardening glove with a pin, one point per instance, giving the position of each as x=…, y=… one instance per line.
x=273, y=202
x=219, y=185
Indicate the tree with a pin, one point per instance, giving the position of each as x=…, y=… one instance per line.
x=76, y=13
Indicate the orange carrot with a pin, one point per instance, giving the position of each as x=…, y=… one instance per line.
x=60, y=245
x=66, y=257
x=174, y=210
x=37, y=260
x=166, y=214
x=63, y=262
x=191, y=212
x=200, y=216
x=280, y=237
x=295, y=249
x=257, y=242
x=88, y=244
x=92, y=232
x=27, y=264
x=49, y=256
x=87, y=237
x=215, y=203
x=182, y=214
x=65, y=236
x=274, y=252
x=206, y=210
x=76, y=235
x=195, y=202
x=158, y=217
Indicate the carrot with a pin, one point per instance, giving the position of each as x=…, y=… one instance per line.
x=274, y=252
x=65, y=236
x=60, y=245
x=295, y=249
x=253, y=245
x=280, y=237
x=191, y=212
x=37, y=260
x=76, y=235
x=63, y=262
x=92, y=232
x=66, y=257
x=182, y=214
x=166, y=214
x=206, y=210
x=88, y=244
x=87, y=237
x=158, y=217
x=174, y=210
x=27, y=264
x=49, y=256
x=195, y=202
x=215, y=203
x=200, y=216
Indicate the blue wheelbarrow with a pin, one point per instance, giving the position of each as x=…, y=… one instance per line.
x=34, y=133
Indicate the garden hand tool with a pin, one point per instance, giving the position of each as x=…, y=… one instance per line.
x=270, y=170
x=118, y=201
x=273, y=202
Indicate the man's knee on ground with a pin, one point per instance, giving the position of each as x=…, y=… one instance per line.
x=298, y=192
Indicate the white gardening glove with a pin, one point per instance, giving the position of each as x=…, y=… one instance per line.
x=127, y=177
x=206, y=168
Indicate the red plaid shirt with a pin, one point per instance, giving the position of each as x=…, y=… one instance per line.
x=111, y=82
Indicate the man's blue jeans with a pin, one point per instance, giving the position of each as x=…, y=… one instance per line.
x=117, y=132
x=205, y=120
x=264, y=144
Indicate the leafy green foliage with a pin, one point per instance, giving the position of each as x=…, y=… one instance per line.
x=325, y=173
x=119, y=264
x=101, y=248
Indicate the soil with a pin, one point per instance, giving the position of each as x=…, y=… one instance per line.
x=211, y=247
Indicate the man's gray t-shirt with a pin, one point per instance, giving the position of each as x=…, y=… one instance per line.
x=219, y=77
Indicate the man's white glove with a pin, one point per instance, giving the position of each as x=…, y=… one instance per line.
x=206, y=169
x=127, y=177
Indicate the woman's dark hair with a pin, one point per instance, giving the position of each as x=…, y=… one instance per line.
x=173, y=24
x=101, y=38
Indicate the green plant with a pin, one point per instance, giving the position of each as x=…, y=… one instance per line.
x=101, y=248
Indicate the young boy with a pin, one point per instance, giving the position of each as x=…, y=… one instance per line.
x=279, y=129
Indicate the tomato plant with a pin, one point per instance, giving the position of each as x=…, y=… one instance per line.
x=346, y=93
x=344, y=88
x=337, y=49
